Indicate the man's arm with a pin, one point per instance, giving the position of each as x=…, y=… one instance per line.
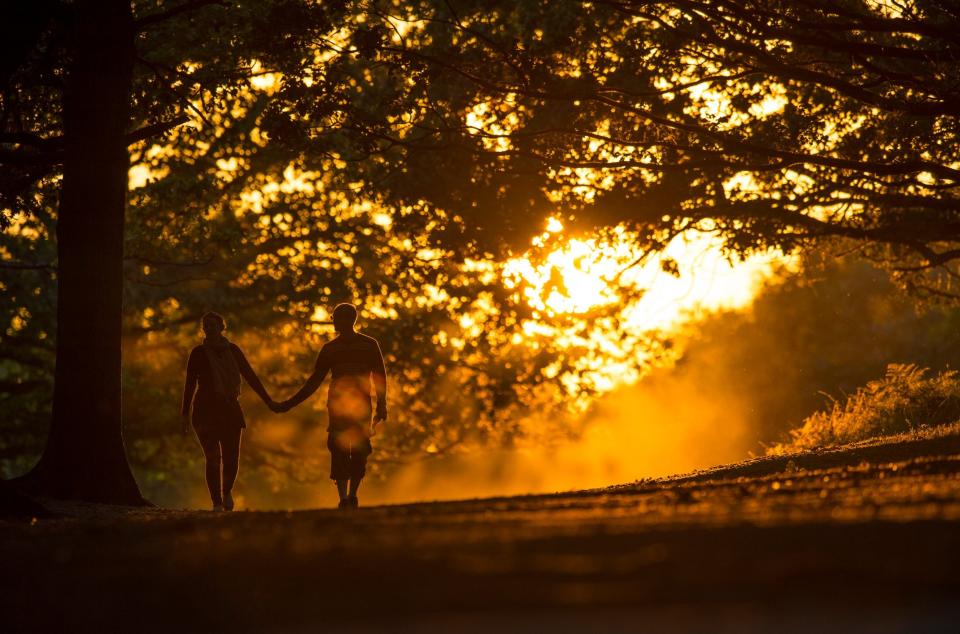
x=379, y=376
x=319, y=373
x=246, y=371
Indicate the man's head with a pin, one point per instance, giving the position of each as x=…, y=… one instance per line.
x=213, y=324
x=344, y=317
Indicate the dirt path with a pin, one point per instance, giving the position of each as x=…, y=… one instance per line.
x=864, y=539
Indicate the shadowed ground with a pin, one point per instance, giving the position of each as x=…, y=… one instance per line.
x=862, y=539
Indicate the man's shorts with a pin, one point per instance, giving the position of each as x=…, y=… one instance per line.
x=349, y=447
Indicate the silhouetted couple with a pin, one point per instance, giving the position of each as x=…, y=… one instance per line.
x=214, y=373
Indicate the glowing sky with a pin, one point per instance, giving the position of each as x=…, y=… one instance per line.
x=584, y=274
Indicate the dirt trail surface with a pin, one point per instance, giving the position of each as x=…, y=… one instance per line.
x=862, y=539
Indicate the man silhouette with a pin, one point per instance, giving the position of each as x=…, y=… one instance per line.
x=354, y=361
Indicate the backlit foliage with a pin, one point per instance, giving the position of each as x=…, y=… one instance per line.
x=523, y=197
x=766, y=123
x=906, y=399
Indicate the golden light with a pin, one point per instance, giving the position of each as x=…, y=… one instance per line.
x=640, y=295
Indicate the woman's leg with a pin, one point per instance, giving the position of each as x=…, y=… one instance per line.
x=211, y=453
x=230, y=446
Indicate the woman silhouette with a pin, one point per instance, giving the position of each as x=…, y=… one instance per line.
x=214, y=372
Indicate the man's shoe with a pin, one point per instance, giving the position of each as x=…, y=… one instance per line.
x=228, y=501
x=354, y=502
x=345, y=504
x=217, y=508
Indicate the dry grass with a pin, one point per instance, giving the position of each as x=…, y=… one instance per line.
x=906, y=400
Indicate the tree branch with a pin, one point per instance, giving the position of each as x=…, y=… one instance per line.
x=161, y=263
x=26, y=138
x=155, y=129
x=162, y=16
x=27, y=266
x=30, y=157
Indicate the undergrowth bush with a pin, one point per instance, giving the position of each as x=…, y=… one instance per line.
x=905, y=399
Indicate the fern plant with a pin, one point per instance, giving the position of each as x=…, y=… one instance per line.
x=905, y=399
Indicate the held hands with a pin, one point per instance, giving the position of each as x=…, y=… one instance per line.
x=380, y=417
x=279, y=408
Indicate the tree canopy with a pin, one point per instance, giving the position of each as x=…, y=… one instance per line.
x=242, y=213
x=290, y=154
x=771, y=124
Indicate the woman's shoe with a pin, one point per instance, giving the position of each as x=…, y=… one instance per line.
x=354, y=502
x=228, y=501
x=218, y=508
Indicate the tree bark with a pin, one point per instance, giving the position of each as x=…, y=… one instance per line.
x=85, y=457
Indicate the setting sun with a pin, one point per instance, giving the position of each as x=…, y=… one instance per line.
x=639, y=292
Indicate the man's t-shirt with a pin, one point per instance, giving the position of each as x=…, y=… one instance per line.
x=353, y=360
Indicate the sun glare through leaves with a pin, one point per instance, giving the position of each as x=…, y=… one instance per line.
x=604, y=297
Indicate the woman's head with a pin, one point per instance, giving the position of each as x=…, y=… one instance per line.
x=344, y=317
x=213, y=324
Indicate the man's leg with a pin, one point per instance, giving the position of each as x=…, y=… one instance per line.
x=339, y=467
x=359, y=452
x=230, y=448
x=354, y=485
x=211, y=454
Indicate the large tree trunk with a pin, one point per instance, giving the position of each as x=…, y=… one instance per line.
x=85, y=458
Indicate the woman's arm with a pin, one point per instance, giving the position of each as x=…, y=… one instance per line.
x=379, y=375
x=250, y=376
x=319, y=373
x=189, y=388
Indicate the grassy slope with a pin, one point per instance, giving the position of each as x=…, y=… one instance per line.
x=862, y=537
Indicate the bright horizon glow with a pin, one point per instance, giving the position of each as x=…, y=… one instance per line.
x=708, y=281
x=583, y=275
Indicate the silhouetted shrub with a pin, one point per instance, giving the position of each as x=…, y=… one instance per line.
x=905, y=399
